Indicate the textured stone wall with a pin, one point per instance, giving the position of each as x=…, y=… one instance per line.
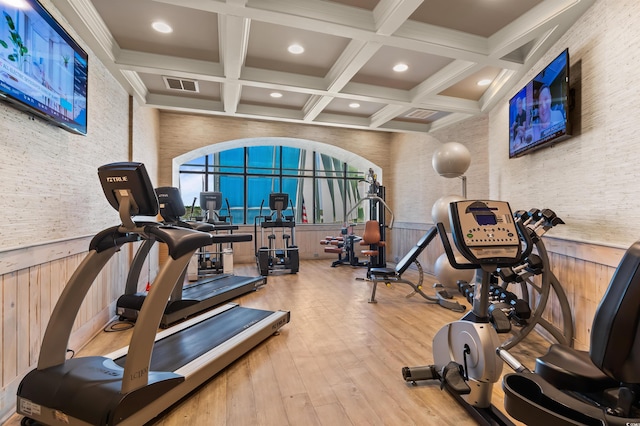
x=49, y=184
x=590, y=179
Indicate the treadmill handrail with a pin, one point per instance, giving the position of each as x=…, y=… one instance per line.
x=136, y=368
x=58, y=332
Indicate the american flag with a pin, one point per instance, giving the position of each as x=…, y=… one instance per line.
x=304, y=213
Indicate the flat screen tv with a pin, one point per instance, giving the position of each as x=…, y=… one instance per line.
x=539, y=112
x=42, y=69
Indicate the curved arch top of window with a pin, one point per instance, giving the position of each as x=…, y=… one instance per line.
x=324, y=183
x=348, y=157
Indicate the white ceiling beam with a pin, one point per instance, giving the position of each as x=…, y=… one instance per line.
x=91, y=20
x=139, y=88
x=449, y=120
x=386, y=114
x=406, y=126
x=183, y=103
x=169, y=65
x=315, y=105
x=533, y=24
x=353, y=58
x=389, y=15
x=230, y=94
x=233, y=34
x=446, y=77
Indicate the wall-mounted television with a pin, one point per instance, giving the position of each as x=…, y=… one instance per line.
x=42, y=69
x=539, y=112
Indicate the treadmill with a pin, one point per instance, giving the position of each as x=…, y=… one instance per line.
x=193, y=298
x=137, y=383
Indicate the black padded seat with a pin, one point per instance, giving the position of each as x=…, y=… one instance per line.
x=569, y=369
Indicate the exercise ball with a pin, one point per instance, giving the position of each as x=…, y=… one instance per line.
x=451, y=160
x=440, y=210
x=448, y=276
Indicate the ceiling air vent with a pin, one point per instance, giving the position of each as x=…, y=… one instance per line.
x=181, y=84
x=421, y=114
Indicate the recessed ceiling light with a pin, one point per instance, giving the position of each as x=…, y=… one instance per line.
x=354, y=105
x=400, y=67
x=484, y=82
x=296, y=49
x=162, y=27
x=276, y=95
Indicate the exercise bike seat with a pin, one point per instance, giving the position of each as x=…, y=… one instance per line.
x=571, y=369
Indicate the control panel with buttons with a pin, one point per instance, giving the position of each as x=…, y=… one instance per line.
x=484, y=230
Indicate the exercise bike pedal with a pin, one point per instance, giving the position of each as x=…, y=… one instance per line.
x=499, y=319
x=452, y=375
x=442, y=292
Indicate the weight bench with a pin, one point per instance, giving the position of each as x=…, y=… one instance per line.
x=394, y=275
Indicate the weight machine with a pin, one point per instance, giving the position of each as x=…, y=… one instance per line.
x=377, y=206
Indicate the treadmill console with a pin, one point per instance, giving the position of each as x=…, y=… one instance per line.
x=484, y=232
x=131, y=181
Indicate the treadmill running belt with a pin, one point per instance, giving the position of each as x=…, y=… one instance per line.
x=210, y=288
x=180, y=348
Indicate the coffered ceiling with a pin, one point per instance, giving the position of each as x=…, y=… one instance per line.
x=230, y=57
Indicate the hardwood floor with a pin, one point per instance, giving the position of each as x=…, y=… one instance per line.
x=338, y=362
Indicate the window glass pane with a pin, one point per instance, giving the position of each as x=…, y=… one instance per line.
x=356, y=192
x=329, y=205
x=192, y=168
x=232, y=188
x=300, y=192
x=328, y=166
x=290, y=187
x=263, y=160
x=292, y=160
x=190, y=187
x=230, y=161
x=258, y=190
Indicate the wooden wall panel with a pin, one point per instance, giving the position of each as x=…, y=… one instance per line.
x=27, y=298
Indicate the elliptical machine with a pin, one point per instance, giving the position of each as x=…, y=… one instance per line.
x=274, y=256
x=464, y=351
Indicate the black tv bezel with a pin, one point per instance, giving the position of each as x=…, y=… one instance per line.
x=551, y=141
x=18, y=104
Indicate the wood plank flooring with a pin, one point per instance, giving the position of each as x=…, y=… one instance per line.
x=338, y=362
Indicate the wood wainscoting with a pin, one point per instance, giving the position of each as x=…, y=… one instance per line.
x=31, y=281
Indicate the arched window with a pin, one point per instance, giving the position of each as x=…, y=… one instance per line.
x=321, y=187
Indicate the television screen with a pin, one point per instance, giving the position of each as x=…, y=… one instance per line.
x=538, y=113
x=42, y=69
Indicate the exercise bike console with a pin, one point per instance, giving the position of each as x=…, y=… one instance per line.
x=484, y=232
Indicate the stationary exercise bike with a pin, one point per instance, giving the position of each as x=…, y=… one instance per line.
x=464, y=351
